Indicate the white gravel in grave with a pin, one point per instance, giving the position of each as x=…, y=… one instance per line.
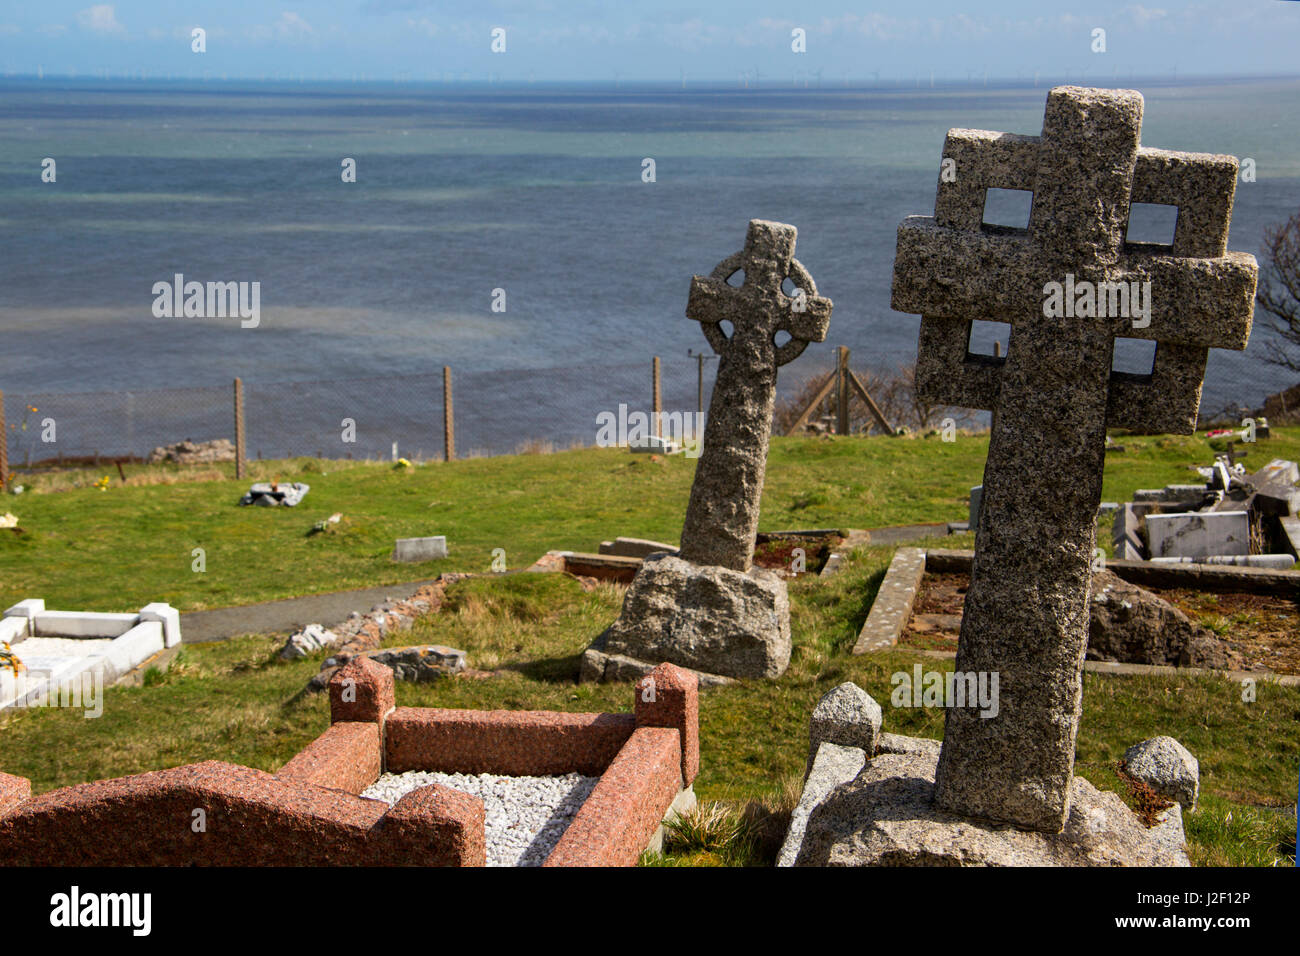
x=59, y=646
x=525, y=816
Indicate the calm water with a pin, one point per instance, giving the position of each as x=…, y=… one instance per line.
x=461, y=191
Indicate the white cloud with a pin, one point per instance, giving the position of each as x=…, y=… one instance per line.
x=292, y=25
x=1144, y=15
x=101, y=18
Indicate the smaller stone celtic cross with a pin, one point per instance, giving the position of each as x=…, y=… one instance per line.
x=722, y=517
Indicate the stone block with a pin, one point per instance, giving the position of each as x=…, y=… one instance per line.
x=669, y=696
x=976, y=495
x=1291, y=531
x=831, y=766
x=705, y=618
x=1167, y=767
x=635, y=547
x=168, y=617
x=82, y=624
x=893, y=603
x=653, y=445
x=361, y=690
x=26, y=609
x=420, y=663
x=848, y=716
x=13, y=629
x=1198, y=534
x=420, y=549
x=130, y=650
x=886, y=816
x=1127, y=541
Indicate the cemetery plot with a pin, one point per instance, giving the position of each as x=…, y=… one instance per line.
x=57, y=652
x=1235, y=630
x=619, y=777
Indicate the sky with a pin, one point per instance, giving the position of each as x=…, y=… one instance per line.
x=732, y=41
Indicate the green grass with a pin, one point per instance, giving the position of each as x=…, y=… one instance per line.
x=118, y=549
x=237, y=701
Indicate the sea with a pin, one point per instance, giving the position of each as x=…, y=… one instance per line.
x=533, y=233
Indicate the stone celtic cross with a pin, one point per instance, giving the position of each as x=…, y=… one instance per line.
x=1026, y=611
x=722, y=517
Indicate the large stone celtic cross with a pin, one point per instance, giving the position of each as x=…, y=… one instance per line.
x=722, y=517
x=1026, y=612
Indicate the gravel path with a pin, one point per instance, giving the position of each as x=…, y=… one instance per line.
x=526, y=816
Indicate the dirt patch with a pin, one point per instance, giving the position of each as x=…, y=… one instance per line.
x=777, y=554
x=935, y=623
x=1264, y=628
x=1267, y=626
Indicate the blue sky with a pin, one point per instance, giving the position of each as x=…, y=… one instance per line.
x=722, y=40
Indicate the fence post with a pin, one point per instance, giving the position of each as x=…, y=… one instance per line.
x=239, y=428
x=448, y=417
x=842, y=391
x=699, y=361
x=659, y=428
x=4, y=447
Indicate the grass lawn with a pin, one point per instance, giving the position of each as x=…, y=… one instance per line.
x=236, y=701
x=116, y=550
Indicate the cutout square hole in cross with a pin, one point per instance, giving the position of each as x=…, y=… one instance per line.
x=1134, y=358
x=1007, y=208
x=1151, y=224
x=988, y=339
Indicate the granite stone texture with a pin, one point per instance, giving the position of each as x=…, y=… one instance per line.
x=521, y=743
x=247, y=818
x=361, y=690
x=707, y=618
x=347, y=756
x=722, y=516
x=420, y=663
x=1026, y=611
x=14, y=792
x=600, y=667
x=1167, y=767
x=846, y=715
x=618, y=820
x=887, y=816
x=829, y=766
x=1130, y=624
x=669, y=696
x=893, y=603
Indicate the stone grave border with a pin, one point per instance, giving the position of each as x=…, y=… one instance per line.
x=310, y=811
x=892, y=607
x=608, y=565
x=137, y=638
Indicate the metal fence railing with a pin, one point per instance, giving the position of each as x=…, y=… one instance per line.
x=495, y=412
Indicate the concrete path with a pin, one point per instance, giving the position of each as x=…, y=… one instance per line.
x=198, y=627
x=290, y=614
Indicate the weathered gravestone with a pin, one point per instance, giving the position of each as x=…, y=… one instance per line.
x=708, y=608
x=1026, y=611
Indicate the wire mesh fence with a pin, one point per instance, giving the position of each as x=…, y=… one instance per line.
x=495, y=412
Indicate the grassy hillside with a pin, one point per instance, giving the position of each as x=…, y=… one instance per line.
x=125, y=546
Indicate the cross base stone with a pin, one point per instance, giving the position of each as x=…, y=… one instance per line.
x=709, y=619
x=885, y=816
